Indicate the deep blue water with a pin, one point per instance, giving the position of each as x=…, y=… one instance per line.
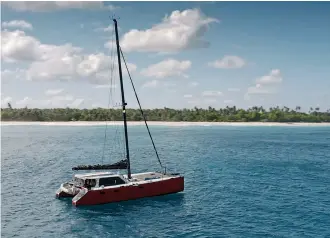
x=239, y=182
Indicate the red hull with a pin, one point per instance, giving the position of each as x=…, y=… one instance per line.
x=131, y=192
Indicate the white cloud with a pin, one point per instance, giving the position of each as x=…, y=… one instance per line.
x=258, y=89
x=211, y=93
x=24, y=102
x=56, y=62
x=64, y=68
x=210, y=100
x=17, y=74
x=167, y=68
x=99, y=65
x=187, y=96
x=228, y=62
x=95, y=68
x=194, y=102
x=17, y=24
x=228, y=101
x=61, y=98
x=31, y=103
x=17, y=46
x=92, y=64
x=58, y=101
x=194, y=84
x=53, y=92
x=76, y=103
x=234, y=89
x=48, y=6
x=274, y=77
x=109, y=28
x=105, y=86
x=179, y=31
x=151, y=84
x=169, y=84
x=267, y=84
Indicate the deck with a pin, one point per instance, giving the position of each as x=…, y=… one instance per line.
x=149, y=176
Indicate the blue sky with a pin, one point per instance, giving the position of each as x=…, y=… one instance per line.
x=203, y=54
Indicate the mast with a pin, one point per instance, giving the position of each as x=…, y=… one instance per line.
x=123, y=100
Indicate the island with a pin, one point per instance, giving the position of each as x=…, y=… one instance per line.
x=227, y=114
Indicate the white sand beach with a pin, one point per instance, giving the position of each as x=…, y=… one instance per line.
x=157, y=123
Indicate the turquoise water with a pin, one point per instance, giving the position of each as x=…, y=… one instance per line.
x=239, y=182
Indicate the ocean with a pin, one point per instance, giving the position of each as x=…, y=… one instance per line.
x=239, y=181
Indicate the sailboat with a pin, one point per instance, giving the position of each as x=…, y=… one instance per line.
x=104, y=187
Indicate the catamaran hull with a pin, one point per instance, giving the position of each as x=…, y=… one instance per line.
x=131, y=192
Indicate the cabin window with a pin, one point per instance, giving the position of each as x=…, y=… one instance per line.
x=90, y=182
x=78, y=182
x=111, y=181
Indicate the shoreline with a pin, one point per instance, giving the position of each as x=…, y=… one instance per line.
x=158, y=123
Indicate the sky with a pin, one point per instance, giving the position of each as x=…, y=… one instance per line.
x=179, y=54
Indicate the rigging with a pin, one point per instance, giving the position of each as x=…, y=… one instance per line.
x=144, y=118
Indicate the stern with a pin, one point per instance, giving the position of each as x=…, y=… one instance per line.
x=67, y=190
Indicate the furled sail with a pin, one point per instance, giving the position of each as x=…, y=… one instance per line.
x=119, y=165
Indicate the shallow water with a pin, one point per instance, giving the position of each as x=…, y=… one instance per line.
x=239, y=182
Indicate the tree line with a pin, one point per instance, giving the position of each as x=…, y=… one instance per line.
x=228, y=114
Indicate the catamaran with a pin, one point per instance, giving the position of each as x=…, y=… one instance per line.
x=95, y=188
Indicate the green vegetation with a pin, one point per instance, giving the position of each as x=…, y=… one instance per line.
x=228, y=114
